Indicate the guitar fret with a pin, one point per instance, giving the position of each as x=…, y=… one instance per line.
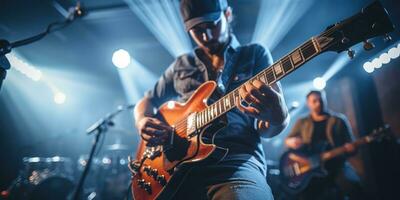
x=270, y=75
x=308, y=50
x=287, y=64
x=278, y=69
x=236, y=96
x=297, y=58
x=231, y=100
x=222, y=105
x=227, y=103
x=261, y=77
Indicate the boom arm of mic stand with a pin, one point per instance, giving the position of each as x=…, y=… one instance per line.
x=98, y=127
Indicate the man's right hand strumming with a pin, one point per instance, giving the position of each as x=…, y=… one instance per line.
x=294, y=142
x=153, y=130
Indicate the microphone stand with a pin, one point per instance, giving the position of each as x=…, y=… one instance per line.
x=6, y=46
x=98, y=128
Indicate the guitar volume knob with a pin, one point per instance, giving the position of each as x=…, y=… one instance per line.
x=147, y=187
x=161, y=179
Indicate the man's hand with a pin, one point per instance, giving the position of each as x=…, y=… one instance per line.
x=153, y=130
x=349, y=147
x=294, y=142
x=264, y=103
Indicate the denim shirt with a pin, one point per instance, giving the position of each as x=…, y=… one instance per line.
x=189, y=71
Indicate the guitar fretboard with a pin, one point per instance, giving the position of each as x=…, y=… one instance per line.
x=341, y=150
x=270, y=75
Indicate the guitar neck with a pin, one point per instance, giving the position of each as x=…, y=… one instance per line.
x=342, y=150
x=269, y=75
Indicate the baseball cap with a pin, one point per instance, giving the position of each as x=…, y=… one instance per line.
x=199, y=11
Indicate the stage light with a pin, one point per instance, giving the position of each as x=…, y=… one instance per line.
x=394, y=52
x=272, y=26
x=23, y=67
x=384, y=58
x=319, y=83
x=376, y=63
x=136, y=79
x=341, y=61
x=368, y=67
x=163, y=19
x=121, y=58
x=295, y=104
x=59, y=98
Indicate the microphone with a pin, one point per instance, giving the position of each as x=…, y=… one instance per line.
x=293, y=106
x=76, y=11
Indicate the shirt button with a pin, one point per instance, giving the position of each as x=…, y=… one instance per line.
x=236, y=78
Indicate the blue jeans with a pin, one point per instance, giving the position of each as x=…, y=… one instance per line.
x=230, y=190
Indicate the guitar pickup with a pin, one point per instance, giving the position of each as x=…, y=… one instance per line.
x=191, y=125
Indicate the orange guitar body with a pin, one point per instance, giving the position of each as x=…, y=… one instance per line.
x=155, y=172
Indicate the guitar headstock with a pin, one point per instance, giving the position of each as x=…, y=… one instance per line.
x=380, y=133
x=372, y=21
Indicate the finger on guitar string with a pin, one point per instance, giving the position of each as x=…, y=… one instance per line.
x=249, y=110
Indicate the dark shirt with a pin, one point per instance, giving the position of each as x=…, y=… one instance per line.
x=319, y=141
x=188, y=72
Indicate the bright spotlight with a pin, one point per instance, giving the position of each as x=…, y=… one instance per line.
x=59, y=98
x=121, y=58
x=394, y=53
x=376, y=63
x=384, y=58
x=295, y=104
x=368, y=67
x=319, y=83
x=25, y=68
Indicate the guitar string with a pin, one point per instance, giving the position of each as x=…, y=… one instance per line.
x=181, y=125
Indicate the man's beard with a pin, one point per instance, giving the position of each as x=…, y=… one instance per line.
x=213, y=48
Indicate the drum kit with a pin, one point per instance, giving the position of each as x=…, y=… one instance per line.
x=56, y=177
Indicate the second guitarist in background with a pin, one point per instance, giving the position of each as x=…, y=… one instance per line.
x=322, y=130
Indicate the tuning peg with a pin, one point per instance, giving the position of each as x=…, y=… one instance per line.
x=387, y=38
x=345, y=40
x=368, y=45
x=351, y=53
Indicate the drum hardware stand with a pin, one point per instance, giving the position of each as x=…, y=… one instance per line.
x=6, y=46
x=15, y=183
x=98, y=128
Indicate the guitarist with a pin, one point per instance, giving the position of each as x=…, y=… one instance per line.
x=321, y=131
x=219, y=57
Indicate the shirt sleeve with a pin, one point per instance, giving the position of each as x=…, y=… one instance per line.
x=263, y=58
x=295, y=132
x=164, y=89
x=345, y=130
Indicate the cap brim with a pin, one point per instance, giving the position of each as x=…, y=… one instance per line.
x=211, y=17
x=4, y=63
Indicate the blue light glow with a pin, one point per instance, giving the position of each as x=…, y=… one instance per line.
x=121, y=58
x=319, y=83
x=136, y=79
x=162, y=18
x=276, y=18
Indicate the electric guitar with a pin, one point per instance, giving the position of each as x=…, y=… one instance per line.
x=159, y=170
x=297, y=167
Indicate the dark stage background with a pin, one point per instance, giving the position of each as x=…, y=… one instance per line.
x=77, y=62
